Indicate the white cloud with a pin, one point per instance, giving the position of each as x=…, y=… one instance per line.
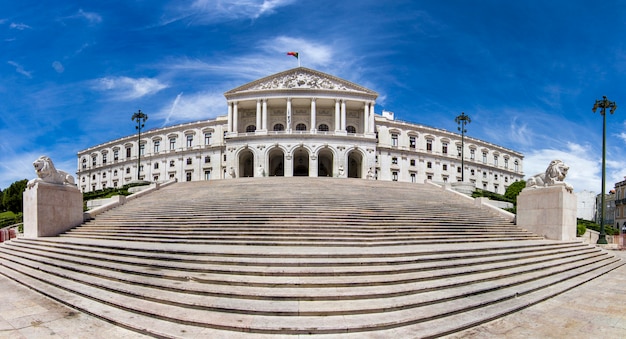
x=19, y=26
x=19, y=69
x=238, y=8
x=92, y=17
x=58, y=67
x=194, y=107
x=584, y=172
x=125, y=88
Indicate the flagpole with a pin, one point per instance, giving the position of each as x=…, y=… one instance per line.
x=298, y=59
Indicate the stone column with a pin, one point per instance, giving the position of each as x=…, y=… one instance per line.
x=313, y=116
x=337, y=116
x=288, y=127
x=230, y=116
x=343, y=115
x=366, y=117
x=258, y=114
x=372, y=124
x=265, y=114
x=235, y=117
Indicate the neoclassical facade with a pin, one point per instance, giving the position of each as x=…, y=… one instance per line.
x=299, y=122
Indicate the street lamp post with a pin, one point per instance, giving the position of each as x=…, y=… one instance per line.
x=140, y=118
x=462, y=120
x=603, y=105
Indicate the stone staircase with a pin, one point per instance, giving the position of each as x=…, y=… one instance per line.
x=274, y=257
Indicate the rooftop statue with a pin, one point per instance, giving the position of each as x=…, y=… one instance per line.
x=46, y=172
x=553, y=176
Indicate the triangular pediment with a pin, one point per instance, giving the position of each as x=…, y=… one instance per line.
x=301, y=78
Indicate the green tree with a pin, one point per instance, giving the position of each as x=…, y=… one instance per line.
x=12, y=197
x=2, y=208
x=514, y=190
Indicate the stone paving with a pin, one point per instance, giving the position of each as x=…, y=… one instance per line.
x=594, y=310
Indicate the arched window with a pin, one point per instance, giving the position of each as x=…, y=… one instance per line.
x=250, y=128
x=279, y=127
x=300, y=127
x=323, y=128
x=351, y=129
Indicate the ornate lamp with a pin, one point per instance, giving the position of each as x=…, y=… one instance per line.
x=462, y=120
x=603, y=105
x=140, y=118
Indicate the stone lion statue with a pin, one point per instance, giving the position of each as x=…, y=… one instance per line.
x=553, y=176
x=46, y=172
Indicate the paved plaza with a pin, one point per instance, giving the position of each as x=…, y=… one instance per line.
x=595, y=310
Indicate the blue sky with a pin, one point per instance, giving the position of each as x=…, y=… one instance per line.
x=526, y=72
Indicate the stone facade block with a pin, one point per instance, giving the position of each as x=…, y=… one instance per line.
x=51, y=209
x=548, y=211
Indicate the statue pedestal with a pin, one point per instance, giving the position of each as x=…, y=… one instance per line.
x=51, y=209
x=548, y=211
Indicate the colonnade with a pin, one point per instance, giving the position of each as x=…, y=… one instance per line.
x=339, y=116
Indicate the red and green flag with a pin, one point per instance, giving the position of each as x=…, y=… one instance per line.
x=295, y=54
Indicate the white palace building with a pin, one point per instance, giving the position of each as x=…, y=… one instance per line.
x=299, y=122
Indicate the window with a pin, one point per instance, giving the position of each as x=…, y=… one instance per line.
x=84, y=163
x=445, y=167
x=93, y=161
x=189, y=140
x=394, y=176
x=142, y=149
x=171, y=163
x=250, y=128
x=506, y=179
x=104, y=175
x=495, y=160
x=429, y=177
x=484, y=174
x=128, y=152
x=472, y=154
x=458, y=151
x=444, y=148
x=300, y=127
x=104, y=185
x=224, y=157
x=484, y=157
x=207, y=175
x=351, y=129
x=207, y=138
x=157, y=144
x=141, y=168
x=155, y=178
x=83, y=180
x=495, y=188
x=458, y=169
x=127, y=170
x=104, y=158
x=207, y=159
x=279, y=127
x=323, y=128
x=516, y=164
x=189, y=161
x=495, y=177
x=429, y=145
x=188, y=176
x=429, y=165
x=413, y=179
x=394, y=140
x=394, y=161
x=472, y=172
x=116, y=155
x=156, y=165
x=412, y=162
x=115, y=173
x=172, y=144
x=412, y=142
x=506, y=163
x=93, y=177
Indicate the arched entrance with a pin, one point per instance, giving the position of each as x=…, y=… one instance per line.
x=277, y=163
x=325, y=163
x=246, y=164
x=355, y=164
x=300, y=162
